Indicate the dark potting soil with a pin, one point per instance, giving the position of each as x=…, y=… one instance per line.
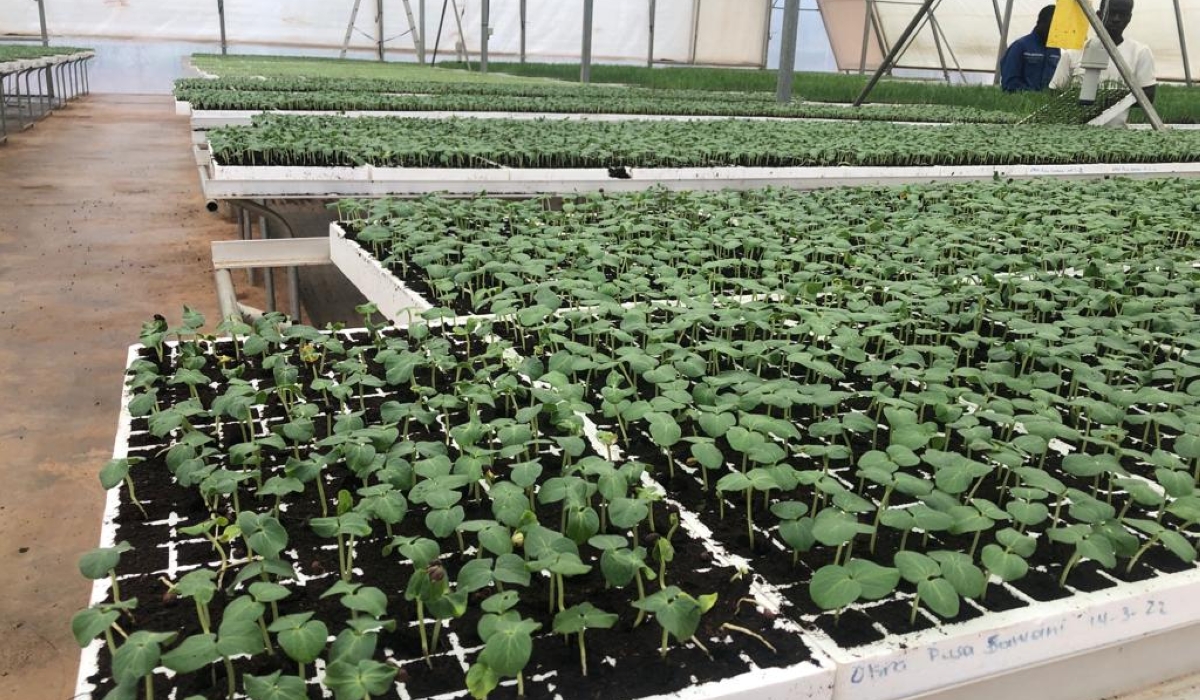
x=895, y=615
x=554, y=667
x=998, y=599
x=1041, y=586
x=852, y=629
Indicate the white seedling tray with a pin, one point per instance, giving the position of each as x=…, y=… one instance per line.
x=1014, y=641
x=226, y=182
x=31, y=63
x=212, y=118
x=395, y=300
x=89, y=662
x=1088, y=646
x=808, y=680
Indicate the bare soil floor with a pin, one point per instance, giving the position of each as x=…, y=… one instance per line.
x=102, y=225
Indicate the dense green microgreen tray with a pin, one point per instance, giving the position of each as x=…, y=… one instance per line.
x=275, y=139
x=9, y=52
x=400, y=95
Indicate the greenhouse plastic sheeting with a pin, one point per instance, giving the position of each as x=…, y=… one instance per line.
x=973, y=35
x=729, y=32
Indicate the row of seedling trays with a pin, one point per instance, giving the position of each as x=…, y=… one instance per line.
x=829, y=487
x=560, y=515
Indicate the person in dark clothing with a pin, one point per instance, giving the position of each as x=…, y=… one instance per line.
x=1029, y=64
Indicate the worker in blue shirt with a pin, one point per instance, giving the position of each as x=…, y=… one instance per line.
x=1029, y=64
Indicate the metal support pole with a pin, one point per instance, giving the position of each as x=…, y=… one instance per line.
x=245, y=233
x=221, y=14
x=1122, y=67
x=1005, y=23
x=766, y=45
x=585, y=63
x=787, y=51
x=412, y=26
x=42, y=21
x=484, y=11
x=350, y=28
x=862, y=60
x=1187, y=68
x=462, y=36
x=899, y=46
x=29, y=96
x=379, y=26
x=286, y=231
x=226, y=295
x=937, y=43
x=437, y=39
x=421, y=43
x=650, y=50
x=294, y=292
x=945, y=42
x=877, y=25
x=524, y=14
x=268, y=273
x=46, y=84
x=695, y=32
x=3, y=116
x=50, y=86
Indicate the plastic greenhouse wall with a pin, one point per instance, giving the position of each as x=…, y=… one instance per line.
x=973, y=33
x=729, y=32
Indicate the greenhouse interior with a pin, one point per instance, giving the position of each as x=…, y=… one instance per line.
x=672, y=349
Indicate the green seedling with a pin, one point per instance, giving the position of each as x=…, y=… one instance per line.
x=677, y=613
x=199, y=585
x=102, y=563
x=577, y=619
x=345, y=526
x=1006, y=559
x=116, y=471
x=217, y=530
x=940, y=577
x=555, y=554
x=91, y=622
x=358, y=681
x=301, y=637
x=240, y=633
x=664, y=550
x=134, y=662
x=508, y=644
x=833, y=587
x=757, y=479
x=274, y=687
x=154, y=334
x=795, y=527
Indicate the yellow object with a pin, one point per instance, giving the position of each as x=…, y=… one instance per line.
x=1070, y=26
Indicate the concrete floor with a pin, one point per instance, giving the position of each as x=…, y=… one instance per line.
x=102, y=225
